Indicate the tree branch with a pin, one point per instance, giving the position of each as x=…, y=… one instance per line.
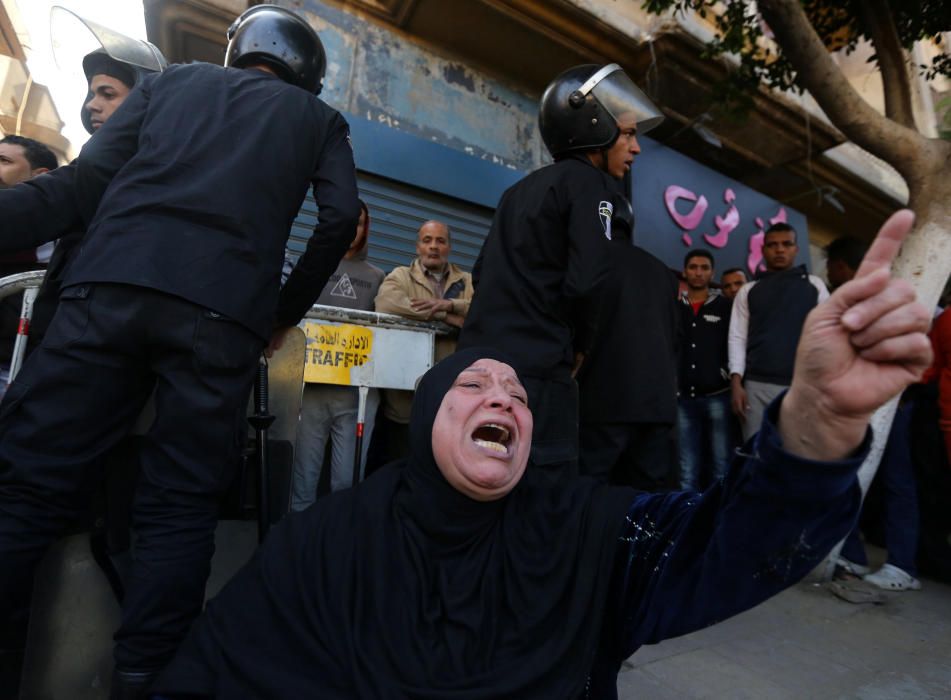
x=818, y=73
x=891, y=61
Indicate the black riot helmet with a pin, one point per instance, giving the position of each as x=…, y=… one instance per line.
x=109, y=52
x=280, y=39
x=580, y=109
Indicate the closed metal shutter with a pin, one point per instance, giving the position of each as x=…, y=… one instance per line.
x=396, y=212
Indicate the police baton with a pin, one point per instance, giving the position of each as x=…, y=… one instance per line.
x=261, y=420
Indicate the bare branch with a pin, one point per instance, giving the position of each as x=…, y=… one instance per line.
x=891, y=61
x=818, y=73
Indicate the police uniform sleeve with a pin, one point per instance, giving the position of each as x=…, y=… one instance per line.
x=110, y=148
x=39, y=210
x=673, y=311
x=588, y=230
x=589, y=250
x=335, y=191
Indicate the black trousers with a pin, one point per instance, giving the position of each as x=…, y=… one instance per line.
x=554, y=404
x=107, y=346
x=630, y=454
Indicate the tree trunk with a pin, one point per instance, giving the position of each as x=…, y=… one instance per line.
x=925, y=261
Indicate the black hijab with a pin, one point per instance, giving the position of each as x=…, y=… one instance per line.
x=407, y=588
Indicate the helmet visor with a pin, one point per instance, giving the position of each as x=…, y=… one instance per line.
x=73, y=38
x=623, y=100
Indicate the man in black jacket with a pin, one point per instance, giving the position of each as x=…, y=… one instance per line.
x=539, y=274
x=705, y=423
x=177, y=285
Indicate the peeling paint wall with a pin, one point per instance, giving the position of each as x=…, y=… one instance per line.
x=627, y=17
x=383, y=76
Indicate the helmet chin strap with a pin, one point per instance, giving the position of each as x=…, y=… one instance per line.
x=603, y=152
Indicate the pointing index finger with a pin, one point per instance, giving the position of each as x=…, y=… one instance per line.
x=887, y=243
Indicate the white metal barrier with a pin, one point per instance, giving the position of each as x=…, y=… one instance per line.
x=367, y=350
x=28, y=283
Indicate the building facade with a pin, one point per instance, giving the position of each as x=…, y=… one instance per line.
x=442, y=100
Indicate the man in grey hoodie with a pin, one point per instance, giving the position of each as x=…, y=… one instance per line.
x=329, y=411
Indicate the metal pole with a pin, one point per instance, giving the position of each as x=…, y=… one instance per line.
x=361, y=418
x=260, y=421
x=23, y=332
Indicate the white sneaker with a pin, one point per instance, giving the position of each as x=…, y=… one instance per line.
x=850, y=567
x=891, y=578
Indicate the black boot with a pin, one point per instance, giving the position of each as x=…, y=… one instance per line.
x=131, y=685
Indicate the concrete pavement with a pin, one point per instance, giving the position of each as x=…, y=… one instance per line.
x=807, y=643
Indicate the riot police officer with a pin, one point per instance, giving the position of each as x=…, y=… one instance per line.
x=190, y=189
x=111, y=73
x=543, y=262
x=45, y=211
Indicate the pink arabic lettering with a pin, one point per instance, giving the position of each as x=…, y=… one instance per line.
x=724, y=224
x=686, y=222
x=754, y=261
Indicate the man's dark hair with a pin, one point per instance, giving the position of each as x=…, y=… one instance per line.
x=781, y=228
x=699, y=253
x=731, y=270
x=848, y=250
x=37, y=154
x=363, y=207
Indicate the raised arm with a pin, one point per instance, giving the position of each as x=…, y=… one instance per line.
x=858, y=349
x=687, y=561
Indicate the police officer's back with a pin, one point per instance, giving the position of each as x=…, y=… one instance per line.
x=215, y=164
x=200, y=174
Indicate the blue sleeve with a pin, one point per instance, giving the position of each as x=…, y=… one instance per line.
x=688, y=560
x=39, y=210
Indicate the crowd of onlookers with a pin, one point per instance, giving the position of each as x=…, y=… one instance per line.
x=692, y=366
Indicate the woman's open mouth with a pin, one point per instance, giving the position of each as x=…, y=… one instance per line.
x=493, y=436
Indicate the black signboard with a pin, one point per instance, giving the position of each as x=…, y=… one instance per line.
x=680, y=205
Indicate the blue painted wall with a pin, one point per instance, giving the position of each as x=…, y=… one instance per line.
x=382, y=76
x=421, y=118
x=404, y=157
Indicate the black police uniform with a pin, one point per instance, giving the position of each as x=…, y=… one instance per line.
x=628, y=382
x=44, y=209
x=537, y=281
x=177, y=284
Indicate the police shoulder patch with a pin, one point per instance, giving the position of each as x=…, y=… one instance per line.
x=605, y=213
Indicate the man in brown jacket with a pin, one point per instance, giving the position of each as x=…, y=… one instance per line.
x=430, y=289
